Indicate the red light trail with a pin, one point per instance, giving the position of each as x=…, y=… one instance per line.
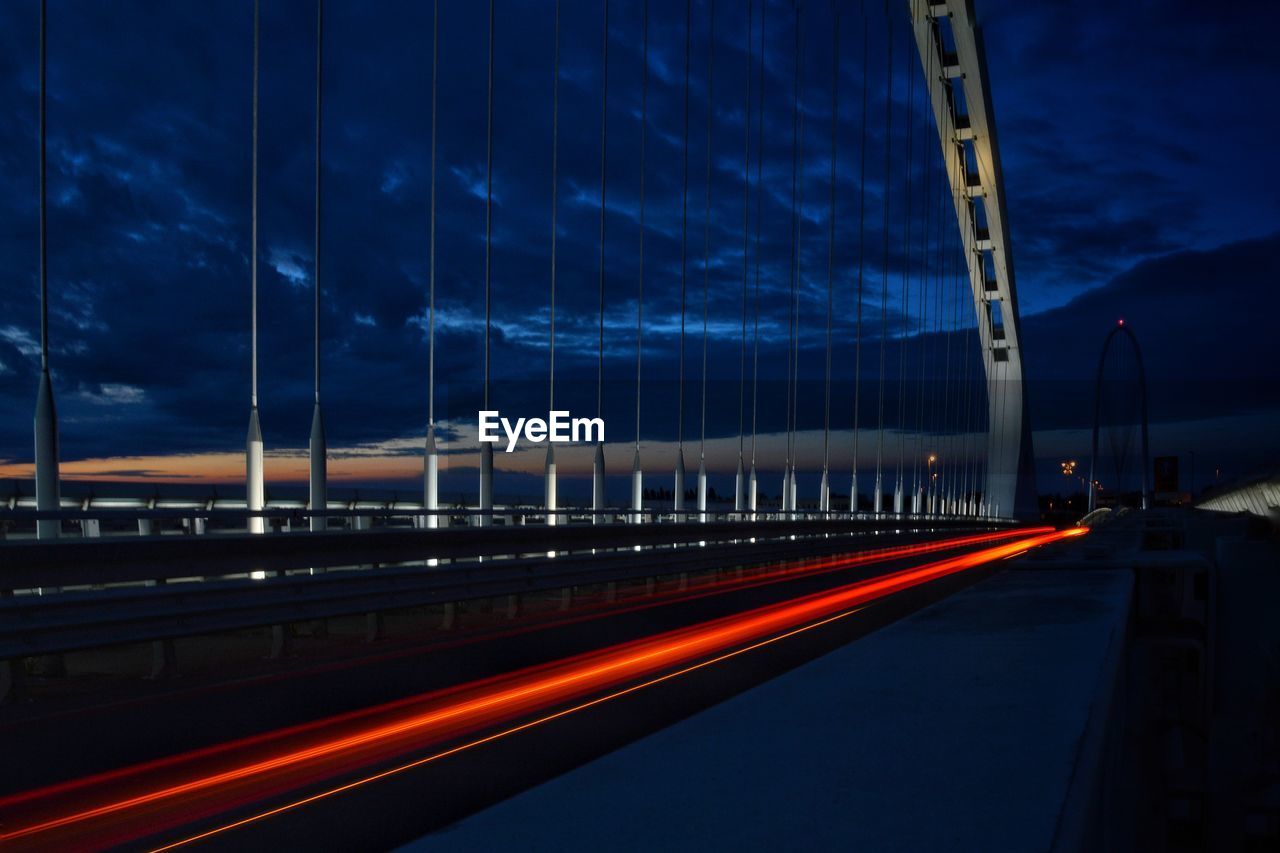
x=157, y=797
x=587, y=609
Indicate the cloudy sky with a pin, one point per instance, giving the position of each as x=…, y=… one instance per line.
x=1131, y=135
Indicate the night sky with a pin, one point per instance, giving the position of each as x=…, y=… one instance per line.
x=1137, y=179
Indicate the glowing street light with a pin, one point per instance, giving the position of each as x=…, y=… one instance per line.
x=933, y=479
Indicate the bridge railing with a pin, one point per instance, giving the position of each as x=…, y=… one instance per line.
x=116, y=517
x=27, y=564
x=68, y=594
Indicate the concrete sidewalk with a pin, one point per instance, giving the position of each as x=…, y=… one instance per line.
x=974, y=724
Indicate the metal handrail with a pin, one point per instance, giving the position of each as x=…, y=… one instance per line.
x=32, y=564
x=35, y=625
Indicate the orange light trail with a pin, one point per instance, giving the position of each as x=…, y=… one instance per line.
x=785, y=571
x=133, y=803
x=564, y=712
x=755, y=576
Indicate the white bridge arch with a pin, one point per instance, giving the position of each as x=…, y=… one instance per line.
x=951, y=51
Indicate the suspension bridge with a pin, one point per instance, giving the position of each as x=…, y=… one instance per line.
x=342, y=653
x=921, y=297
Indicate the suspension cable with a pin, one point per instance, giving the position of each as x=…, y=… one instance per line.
x=973, y=405
x=431, y=287
x=706, y=234
x=44, y=254
x=253, y=242
x=555, y=186
x=644, y=127
x=967, y=352
x=943, y=306
x=755, y=299
x=947, y=463
x=684, y=229
x=977, y=392
x=906, y=281
x=963, y=258
x=862, y=221
x=831, y=236
x=792, y=353
x=1002, y=395
x=926, y=199
x=604, y=149
x=488, y=213
x=316, y=272
x=746, y=230
x=950, y=416
x=959, y=446
x=884, y=269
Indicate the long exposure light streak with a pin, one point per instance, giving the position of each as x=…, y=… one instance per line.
x=700, y=584
x=159, y=797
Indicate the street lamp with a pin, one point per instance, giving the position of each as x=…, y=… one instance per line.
x=933, y=477
x=1069, y=471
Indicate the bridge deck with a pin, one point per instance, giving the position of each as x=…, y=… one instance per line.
x=965, y=726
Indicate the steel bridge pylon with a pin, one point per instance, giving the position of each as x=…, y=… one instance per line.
x=951, y=51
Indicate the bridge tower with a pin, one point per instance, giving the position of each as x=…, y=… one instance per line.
x=951, y=50
x=1145, y=462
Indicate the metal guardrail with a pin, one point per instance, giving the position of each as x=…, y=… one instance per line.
x=391, y=569
x=30, y=564
x=295, y=516
x=36, y=625
x=22, y=505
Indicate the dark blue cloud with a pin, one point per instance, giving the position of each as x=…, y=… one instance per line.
x=1128, y=131
x=1127, y=135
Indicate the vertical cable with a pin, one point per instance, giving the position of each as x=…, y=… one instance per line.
x=431, y=460
x=964, y=258
x=947, y=254
x=968, y=481
x=799, y=264
x=555, y=184
x=949, y=420
x=431, y=289
x=317, y=450
x=794, y=272
x=950, y=417
x=644, y=127
x=44, y=253
x=884, y=269
x=973, y=413
x=549, y=485
x=45, y=422
x=706, y=231
x=831, y=230
x=319, y=106
x=906, y=281
x=923, y=297
x=684, y=227
x=746, y=231
x=604, y=148
x=971, y=404
x=488, y=213
x=684, y=238
x=947, y=436
x=253, y=240
x=755, y=298
x=862, y=221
